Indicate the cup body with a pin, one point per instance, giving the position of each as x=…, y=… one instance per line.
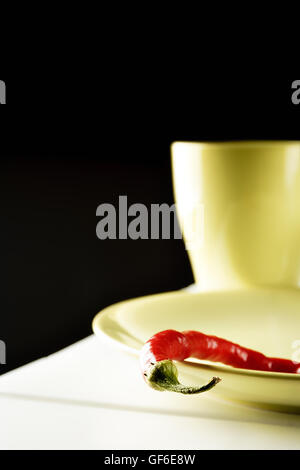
x=238, y=205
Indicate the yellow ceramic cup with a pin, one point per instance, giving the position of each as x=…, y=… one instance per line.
x=238, y=204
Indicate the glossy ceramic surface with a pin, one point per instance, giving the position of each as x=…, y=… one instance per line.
x=239, y=208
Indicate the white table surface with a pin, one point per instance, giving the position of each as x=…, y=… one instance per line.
x=91, y=396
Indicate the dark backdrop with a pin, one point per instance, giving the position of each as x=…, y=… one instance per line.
x=63, y=153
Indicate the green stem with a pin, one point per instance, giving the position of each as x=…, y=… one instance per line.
x=163, y=376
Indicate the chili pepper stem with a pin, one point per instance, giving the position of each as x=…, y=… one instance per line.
x=163, y=376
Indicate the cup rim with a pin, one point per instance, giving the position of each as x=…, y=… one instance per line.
x=238, y=143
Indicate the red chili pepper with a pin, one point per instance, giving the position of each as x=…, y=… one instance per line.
x=161, y=373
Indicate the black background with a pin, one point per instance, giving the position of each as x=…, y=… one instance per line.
x=70, y=144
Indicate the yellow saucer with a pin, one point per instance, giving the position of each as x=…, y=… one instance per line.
x=267, y=320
